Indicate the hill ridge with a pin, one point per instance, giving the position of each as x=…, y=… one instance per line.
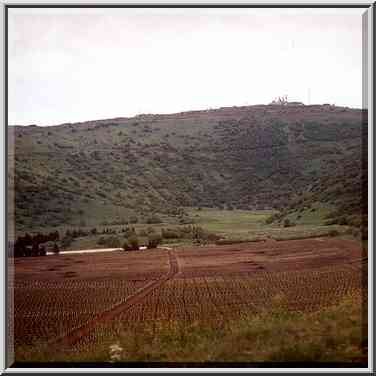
x=247, y=157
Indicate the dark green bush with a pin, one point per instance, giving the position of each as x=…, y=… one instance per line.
x=66, y=241
x=127, y=246
x=101, y=240
x=355, y=220
x=128, y=231
x=343, y=221
x=269, y=220
x=288, y=223
x=331, y=222
x=333, y=233
x=133, y=242
x=171, y=233
x=113, y=242
x=56, y=248
x=201, y=235
x=273, y=218
x=109, y=241
x=153, y=219
x=154, y=240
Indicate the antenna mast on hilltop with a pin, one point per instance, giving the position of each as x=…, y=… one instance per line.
x=309, y=96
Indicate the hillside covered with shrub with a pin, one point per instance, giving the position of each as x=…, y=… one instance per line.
x=127, y=169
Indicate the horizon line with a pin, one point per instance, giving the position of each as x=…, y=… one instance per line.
x=286, y=104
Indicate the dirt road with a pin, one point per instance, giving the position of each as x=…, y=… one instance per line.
x=137, y=297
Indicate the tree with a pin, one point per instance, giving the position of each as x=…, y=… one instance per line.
x=56, y=249
x=42, y=251
x=288, y=223
x=131, y=244
x=35, y=249
x=53, y=236
x=154, y=240
x=126, y=245
x=134, y=242
x=66, y=241
x=27, y=239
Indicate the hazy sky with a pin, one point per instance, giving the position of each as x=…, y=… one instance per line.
x=68, y=65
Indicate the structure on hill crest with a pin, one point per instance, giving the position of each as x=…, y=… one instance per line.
x=282, y=101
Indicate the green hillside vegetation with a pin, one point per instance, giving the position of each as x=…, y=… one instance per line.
x=207, y=226
x=290, y=159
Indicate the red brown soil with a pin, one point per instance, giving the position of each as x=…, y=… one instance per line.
x=269, y=256
x=137, y=297
x=93, y=266
x=186, y=283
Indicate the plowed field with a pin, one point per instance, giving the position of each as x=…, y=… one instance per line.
x=71, y=303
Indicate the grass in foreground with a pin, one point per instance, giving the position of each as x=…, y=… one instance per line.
x=335, y=334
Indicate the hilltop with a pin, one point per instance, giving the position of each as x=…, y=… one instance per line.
x=252, y=157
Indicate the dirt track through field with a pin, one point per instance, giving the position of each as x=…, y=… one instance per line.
x=137, y=297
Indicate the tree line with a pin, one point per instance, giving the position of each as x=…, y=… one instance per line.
x=32, y=245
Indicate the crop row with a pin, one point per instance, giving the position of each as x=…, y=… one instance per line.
x=216, y=300
x=41, y=314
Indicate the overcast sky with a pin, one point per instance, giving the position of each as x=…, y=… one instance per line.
x=69, y=65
